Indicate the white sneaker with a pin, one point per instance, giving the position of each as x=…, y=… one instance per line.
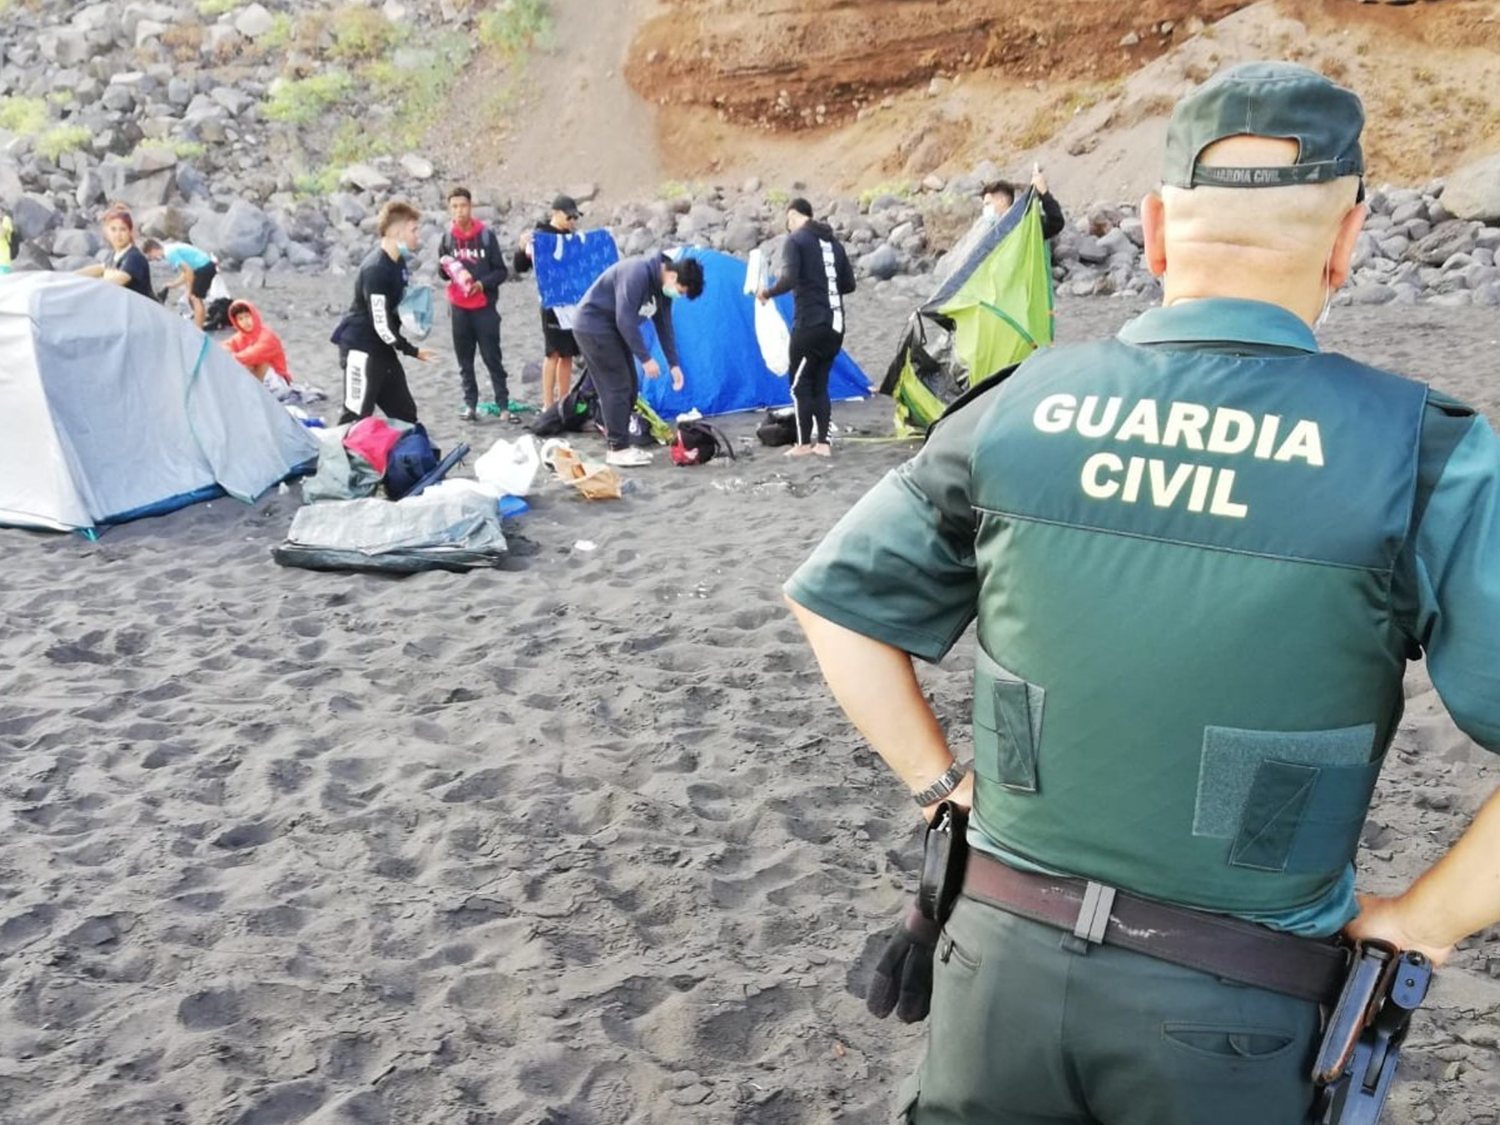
x=628, y=458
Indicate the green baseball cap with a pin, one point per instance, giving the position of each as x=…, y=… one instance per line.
x=1267, y=99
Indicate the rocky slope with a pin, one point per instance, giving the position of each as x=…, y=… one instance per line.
x=270, y=133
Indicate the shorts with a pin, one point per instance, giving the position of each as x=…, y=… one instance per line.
x=556, y=339
x=203, y=278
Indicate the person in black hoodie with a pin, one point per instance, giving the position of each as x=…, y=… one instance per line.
x=560, y=344
x=469, y=247
x=999, y=196
x=608, y=330
x=369, y=336
x=816, y=270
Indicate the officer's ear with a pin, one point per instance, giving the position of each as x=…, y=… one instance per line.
x=1344, y=244
x=1154, y=230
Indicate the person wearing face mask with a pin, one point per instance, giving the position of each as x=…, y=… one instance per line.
x=369, y=336
x=608, y=331
x=126, y=265
x=814, y=267
x=559, y=344
x=1176, y=738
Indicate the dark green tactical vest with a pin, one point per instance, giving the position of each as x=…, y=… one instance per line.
x=1189, y=671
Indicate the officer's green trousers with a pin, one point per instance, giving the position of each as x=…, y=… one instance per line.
x=1028, y=1030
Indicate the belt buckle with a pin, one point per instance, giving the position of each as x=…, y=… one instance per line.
x=1093, y=913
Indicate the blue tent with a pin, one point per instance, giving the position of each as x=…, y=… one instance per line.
x=720, y=355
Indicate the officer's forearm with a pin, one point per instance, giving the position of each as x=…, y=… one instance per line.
x=877, y=687
x=1460, y=894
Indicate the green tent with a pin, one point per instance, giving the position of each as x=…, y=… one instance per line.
x=992, y=311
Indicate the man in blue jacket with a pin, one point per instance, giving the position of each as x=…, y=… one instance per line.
x=608, y=331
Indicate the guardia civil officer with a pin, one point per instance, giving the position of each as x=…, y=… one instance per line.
x=1199, y=556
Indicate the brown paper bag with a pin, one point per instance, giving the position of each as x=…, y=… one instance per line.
x=593, y=480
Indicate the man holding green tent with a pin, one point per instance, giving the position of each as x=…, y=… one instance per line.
x=1199, y=556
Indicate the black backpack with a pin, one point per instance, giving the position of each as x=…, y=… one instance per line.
x=779, y=428
x=699, y=443
x=216, y=314
x=570, y=414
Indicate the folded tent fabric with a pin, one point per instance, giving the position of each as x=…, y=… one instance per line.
x=447, y=530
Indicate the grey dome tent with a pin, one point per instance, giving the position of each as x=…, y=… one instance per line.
x=115, y=408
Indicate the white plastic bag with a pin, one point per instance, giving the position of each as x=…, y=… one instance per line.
x=774, y=337
x=510, y=466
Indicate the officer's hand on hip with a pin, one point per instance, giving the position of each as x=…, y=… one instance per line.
x=903, y=975
x=1386, y=919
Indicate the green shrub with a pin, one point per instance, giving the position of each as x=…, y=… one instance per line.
x=902, y=189
x=514, y=26
x=282, y=28
x=325, y=181
x=777, y=198
x=300, y=101
x=23, y=115
x=187, y=150
x=64, y=138
x=419, y=96
x=213, y=9
x=360, y=34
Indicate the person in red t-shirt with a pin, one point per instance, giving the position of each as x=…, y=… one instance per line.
x=471, y=260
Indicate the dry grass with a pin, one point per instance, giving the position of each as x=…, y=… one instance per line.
x=184, y=40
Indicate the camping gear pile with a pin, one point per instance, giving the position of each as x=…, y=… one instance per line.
x=992, y=309
x=358, y=458
x=429, y=522
x=117, y=409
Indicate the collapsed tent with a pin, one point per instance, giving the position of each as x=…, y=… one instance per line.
x=721, y=355
x=115, y=409
x=992, y=309
x=455, y=529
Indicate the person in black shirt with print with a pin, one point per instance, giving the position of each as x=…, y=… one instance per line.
x=815, y=268
x=369, y=336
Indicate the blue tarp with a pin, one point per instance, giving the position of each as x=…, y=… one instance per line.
x=720, y=356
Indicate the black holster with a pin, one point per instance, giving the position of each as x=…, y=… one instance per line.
x=944, y=854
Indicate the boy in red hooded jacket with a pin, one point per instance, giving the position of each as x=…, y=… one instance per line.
x=254, y=344
x=474, y=265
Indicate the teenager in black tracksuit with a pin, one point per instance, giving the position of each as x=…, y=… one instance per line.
x=476, y=320
x=369, y=337
x=816, y=270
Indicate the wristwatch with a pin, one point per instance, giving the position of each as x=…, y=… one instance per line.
x=943, y=785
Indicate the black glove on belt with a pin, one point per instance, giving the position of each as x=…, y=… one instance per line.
x=903, y=976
